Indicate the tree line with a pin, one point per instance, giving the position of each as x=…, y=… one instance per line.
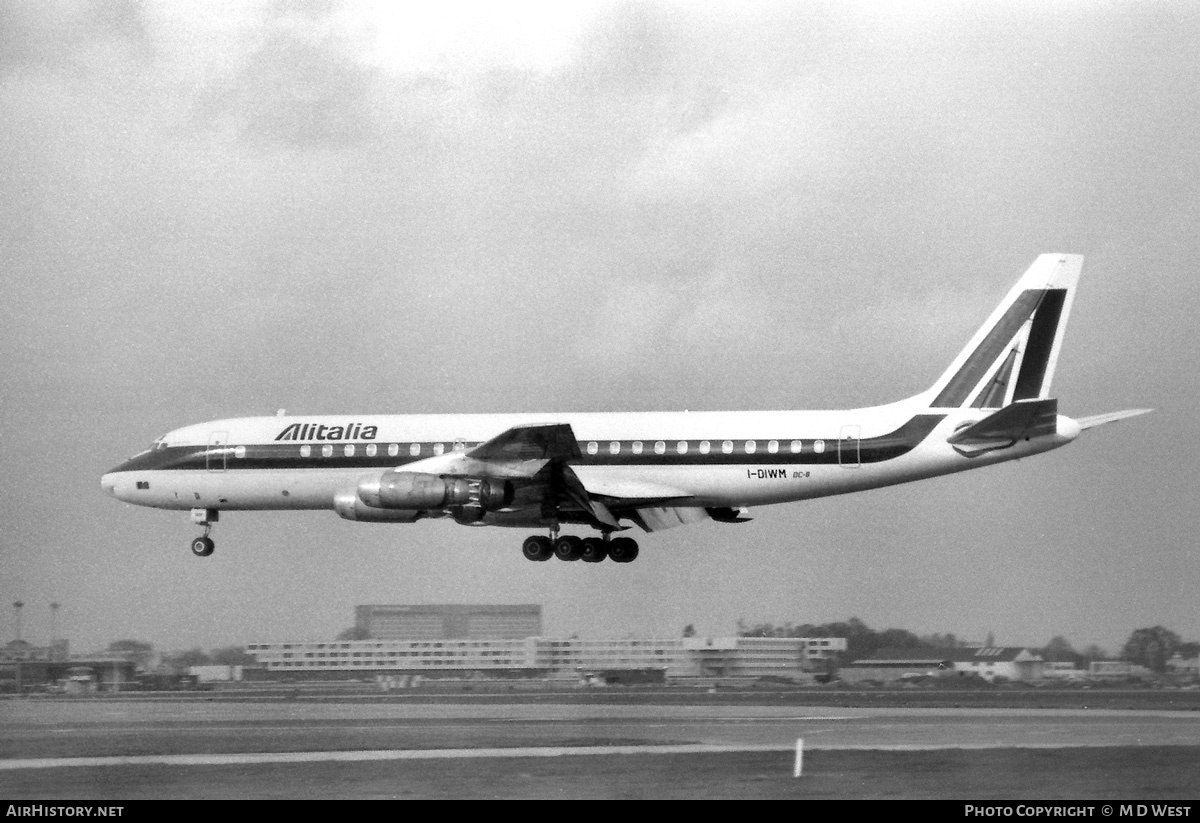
x=1150, y=647
x=143, y=655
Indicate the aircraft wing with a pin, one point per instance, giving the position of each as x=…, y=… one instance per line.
x=541, y=441
x=519, y=452
x=1109, y=417
x=544, y=453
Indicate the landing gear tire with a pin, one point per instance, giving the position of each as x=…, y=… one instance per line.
x=593, y=550
x=623, y=550
x=203, y=546
x=537, y=548
x=568, y=547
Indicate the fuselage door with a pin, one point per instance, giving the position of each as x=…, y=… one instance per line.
x=848, y=454
x=218, y=451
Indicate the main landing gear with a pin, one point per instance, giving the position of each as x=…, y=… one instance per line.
x=203, y=546
x=588, y=549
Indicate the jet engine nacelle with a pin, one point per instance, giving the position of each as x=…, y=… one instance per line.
x=416, y=490
x=348, y=505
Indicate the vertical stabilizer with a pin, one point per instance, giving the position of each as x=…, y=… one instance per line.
x=1012, y=356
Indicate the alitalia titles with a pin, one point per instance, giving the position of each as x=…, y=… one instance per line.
x=319, y=431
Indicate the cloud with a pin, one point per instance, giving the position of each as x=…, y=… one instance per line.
x=70, y=36
x=304, y=85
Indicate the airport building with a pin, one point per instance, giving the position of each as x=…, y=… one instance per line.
x=744, y=657
x=448, y=622
x=454, y=640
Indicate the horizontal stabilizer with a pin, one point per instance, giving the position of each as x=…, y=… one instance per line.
x=1025, y=418
x=1111, y=417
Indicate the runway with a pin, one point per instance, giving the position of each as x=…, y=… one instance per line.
x=190, y=746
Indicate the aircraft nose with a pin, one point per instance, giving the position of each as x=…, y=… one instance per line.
x=109, y=483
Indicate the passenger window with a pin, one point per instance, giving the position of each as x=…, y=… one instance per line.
x=637, y=447
x=614, y=447
x=795, y=447
x=439, y=448
x=773, y=446
x=705, y=446
x=727, y=447
x=660, y=447
x=819, y=446
x=349, y=450
x=414, y=449
x=305, y=451
x=681, y=447
x=370, y=450
x=751, y=447
x=327, y=451
x=240, y=451
x=593, y=447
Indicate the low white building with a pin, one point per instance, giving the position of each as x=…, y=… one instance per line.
x=988, y=662
x=787, y=657
x=991, y=662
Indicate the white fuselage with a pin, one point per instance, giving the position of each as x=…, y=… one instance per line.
x=717, y=459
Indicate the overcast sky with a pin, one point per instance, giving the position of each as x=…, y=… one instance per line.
x=221, y=209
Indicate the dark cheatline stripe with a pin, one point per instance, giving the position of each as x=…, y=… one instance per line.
x=287, y=455
x=985, y=354
x=1039, y=345
x=872, y=450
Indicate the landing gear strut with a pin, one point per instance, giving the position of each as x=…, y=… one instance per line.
x=203, y=546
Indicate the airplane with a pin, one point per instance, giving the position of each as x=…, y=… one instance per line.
x=609, y=471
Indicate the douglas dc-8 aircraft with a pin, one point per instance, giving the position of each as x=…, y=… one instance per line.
x=655, y=469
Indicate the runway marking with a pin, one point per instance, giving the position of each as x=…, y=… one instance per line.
x=386, y=754
x=252, y=758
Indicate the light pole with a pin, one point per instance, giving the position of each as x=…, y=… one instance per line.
x=54, y=607
x=17, y=608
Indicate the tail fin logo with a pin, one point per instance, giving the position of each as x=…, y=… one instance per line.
x=1012, y=357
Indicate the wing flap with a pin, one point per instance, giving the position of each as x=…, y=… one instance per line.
x=658, y=518
x=627, y=491
x=640, y=500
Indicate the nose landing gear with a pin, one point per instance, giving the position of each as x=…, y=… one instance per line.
x=203, y=546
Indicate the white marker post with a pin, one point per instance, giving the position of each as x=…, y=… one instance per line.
x=799, y=756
